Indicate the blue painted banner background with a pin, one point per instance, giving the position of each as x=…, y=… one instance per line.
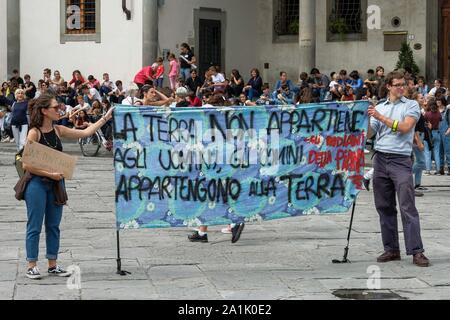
x=320, y=168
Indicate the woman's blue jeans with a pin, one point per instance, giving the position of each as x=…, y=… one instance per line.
x=419, y=165
x=445, y=148
x=435, y=151
x=41, y=208
x=185, y=73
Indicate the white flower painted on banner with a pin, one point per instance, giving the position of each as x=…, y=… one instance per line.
x=311, y=211
x=211, y=205
x=133, y=145
x=193, y=223
x=119, y=167
x=272, y=200
x=230, y=210
x=170, y=188
x=130, y=225
x=151, y=207
x=169, y=213
x=254, y=218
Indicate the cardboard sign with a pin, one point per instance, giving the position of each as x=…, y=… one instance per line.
x=45, y=158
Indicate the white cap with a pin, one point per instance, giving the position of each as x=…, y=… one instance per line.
x=181, y=92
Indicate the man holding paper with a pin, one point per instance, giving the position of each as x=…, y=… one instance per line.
x=41, y=200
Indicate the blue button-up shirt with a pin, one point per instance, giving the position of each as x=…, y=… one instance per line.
x=395, y=142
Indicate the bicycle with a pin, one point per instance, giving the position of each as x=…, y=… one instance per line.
x=90, y=146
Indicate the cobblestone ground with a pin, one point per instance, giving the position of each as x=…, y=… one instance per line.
x=285, y=259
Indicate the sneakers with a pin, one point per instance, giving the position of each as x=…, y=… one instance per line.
x=236, y=232
x=420, y=188
x=420, y=260
x=58, y=271
x=366, y=183
x=33, y=273
x=442, y=172
x=196, y=237
x=389, y=256
x=427, y=173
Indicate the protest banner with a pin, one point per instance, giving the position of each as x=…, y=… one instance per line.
x=45, y=158
x=215, y=166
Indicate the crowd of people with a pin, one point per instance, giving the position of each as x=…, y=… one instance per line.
x=84, y=100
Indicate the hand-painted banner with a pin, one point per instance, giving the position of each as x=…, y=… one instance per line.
x=215, y=166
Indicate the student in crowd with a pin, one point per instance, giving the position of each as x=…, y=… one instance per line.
x=444, y=131
x=437, y=85
x=422, y=87
x=118, y=94
x=355, y=81
x=159, y=73
x=144, y=76
x=194, y=83
x=16, y=77
x=187, y=61
x=30, y=88
x=90, y=94
x=236, y=83
x=19, y=120
x=93, y=83
x=284, y=95
x=77, y=79
x=107, y=87
x=253, y=89
x=47, y=75
x=57, y=79
x=43, y=88
x=433, y=117
x=153, y=97
x=194, y=100
x=132, y=98
x=174, y=72
x=320, y=83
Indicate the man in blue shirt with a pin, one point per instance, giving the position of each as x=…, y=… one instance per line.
x=394, y=122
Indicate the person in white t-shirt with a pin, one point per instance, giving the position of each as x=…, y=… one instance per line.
x=217, y=78
x=90, y=94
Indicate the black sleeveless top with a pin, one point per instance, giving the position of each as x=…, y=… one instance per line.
x=51, y=140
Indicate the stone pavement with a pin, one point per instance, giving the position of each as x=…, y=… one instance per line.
x=284, y=259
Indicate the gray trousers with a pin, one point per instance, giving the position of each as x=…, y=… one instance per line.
x=393, y=176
